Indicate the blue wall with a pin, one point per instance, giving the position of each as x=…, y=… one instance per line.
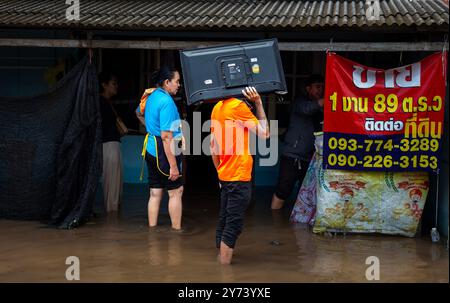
x=266, y=175
x=132, y=160
x=22, y=69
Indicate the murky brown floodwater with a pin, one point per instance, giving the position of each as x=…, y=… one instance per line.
x=269, y=250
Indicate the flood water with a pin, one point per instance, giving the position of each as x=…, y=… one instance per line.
x=124, y=249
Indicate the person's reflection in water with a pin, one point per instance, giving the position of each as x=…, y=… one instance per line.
x=278, y=219
x=174, y=249
x=307, y=254
x=227, y=274
x=435, y=252
x=164, y=248
x=112, y=219
x=154, y=249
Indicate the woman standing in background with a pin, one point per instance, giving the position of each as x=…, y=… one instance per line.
x=112, y=158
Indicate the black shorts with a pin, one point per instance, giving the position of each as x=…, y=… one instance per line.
x=158, y=180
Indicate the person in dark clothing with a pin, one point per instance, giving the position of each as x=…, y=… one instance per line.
x=306, y=118
x=112, y=158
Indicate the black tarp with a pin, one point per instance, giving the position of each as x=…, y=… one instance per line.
x=51, y=151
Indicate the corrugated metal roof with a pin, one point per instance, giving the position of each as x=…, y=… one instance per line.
x=205, y=14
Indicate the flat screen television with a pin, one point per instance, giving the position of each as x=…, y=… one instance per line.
x=215, y=73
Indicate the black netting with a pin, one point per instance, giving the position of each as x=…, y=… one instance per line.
x=51, y=151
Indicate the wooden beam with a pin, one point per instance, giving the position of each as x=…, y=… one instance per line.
x=284, y=46
x=362, y=46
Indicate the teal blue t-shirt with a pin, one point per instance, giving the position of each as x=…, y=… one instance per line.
x=161, y=114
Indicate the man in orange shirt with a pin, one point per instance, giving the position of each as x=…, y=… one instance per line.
x=231, y=121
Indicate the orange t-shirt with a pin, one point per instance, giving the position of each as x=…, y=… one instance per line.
x=231, y=121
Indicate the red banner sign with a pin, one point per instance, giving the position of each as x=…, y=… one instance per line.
x=384, y=120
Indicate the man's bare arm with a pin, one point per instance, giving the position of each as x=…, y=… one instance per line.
x=263, y=126
x=214, y=153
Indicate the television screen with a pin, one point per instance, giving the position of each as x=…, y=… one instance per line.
x=215, y=73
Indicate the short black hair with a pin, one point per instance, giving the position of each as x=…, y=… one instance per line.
x=314, y=78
